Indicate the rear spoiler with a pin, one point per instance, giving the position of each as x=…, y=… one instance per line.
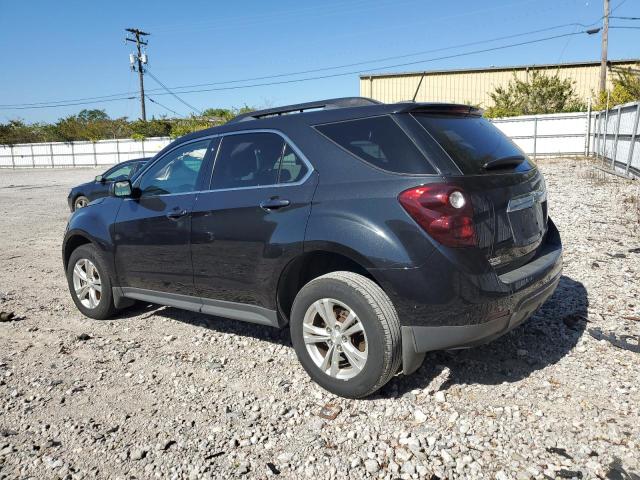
x=440, y=108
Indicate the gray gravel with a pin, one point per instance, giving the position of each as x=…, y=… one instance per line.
x=162, y=393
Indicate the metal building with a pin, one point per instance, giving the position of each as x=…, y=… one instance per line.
x=473, y=86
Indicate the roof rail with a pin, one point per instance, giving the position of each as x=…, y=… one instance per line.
x=301, y=107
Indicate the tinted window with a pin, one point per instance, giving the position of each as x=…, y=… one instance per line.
x=380, y=142
x=248, y=160
x=119, y=172
x=470, y=141
x=292, y=168
x=176, y=172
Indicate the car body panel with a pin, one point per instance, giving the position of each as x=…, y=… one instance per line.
x=239, y=249
x=153, y=250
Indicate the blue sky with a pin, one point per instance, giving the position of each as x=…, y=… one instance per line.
x=67, y=50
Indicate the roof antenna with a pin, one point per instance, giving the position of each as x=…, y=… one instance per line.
x=417, y=89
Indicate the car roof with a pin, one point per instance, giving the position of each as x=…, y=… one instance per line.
x=133, y=160
x=326, y=111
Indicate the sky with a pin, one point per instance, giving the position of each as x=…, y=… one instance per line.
x=72, y=50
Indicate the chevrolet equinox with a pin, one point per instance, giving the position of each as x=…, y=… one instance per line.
x=376, y=232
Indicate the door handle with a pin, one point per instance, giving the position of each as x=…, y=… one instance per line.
x=176, y=214
x=274, y=204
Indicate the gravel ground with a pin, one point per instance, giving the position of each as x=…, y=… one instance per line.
x=162, y=393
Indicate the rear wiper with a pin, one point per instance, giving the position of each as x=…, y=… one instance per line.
x=503, y=162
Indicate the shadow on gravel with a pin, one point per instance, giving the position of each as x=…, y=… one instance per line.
x=225, y=325
x=542, y=340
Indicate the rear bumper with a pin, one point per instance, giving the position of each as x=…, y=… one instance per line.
x=451, y=303
x=417, y=340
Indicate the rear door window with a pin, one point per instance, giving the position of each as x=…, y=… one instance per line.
x=254, y=160
x=380, y=142
x=471, y=142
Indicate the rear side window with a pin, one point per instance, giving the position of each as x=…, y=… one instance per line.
x=380, y=142
x=256, y=159
x=471, y=141
x=292, y=168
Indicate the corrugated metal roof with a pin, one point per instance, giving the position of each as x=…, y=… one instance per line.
x=495, y=68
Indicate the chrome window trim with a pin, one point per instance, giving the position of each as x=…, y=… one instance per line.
x=285, y=137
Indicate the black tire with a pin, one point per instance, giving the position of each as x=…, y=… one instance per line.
x=376, y=314
x=80, y=202
x=105, y=308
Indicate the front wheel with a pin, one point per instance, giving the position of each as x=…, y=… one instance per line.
x=346, y=334
x=80, y=202
x=89, y=283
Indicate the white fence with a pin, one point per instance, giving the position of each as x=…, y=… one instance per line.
x=617, y=137
x=612, y=135
x=79, y=154
x=552, y=134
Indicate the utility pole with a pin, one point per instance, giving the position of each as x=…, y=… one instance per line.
x=605, y=43
x=140, y=59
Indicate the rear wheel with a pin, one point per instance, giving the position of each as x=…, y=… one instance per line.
x=346, y=334
x=80, y=202
x=89, y=283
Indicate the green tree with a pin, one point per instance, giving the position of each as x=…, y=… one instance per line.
x=87, y=116
x=94, y=125
x=152, y=128
x=16, y=131
x=626, y=88
x=540, y=93
x=191, y=124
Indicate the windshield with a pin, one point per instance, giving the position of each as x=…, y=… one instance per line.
x=472, y=142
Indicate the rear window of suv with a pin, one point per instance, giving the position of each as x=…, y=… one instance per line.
x=471, y=141
x=380, y=142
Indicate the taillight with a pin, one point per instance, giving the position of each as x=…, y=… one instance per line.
x=443, y=211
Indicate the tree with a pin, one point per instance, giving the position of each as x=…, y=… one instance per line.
x=540, y=93
x=626, y=88
x=87, y=116
x=94, y=125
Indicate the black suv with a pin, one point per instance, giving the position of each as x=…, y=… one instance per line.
x=378, y=232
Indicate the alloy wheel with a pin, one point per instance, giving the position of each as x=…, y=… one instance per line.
x=86, y=283
x=335, y=338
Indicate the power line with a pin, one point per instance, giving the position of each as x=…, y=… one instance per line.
x=163, y=106
x=315, y=70
x=354, y=72
x=70, y=104
x=625, y=18
x=377, y=60
x=172, y=93
x=320, y=77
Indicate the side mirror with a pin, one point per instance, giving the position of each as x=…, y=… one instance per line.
x=99, y=179
x=121, y=188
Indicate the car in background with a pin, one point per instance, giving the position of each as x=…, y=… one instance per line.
x=81, y=195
